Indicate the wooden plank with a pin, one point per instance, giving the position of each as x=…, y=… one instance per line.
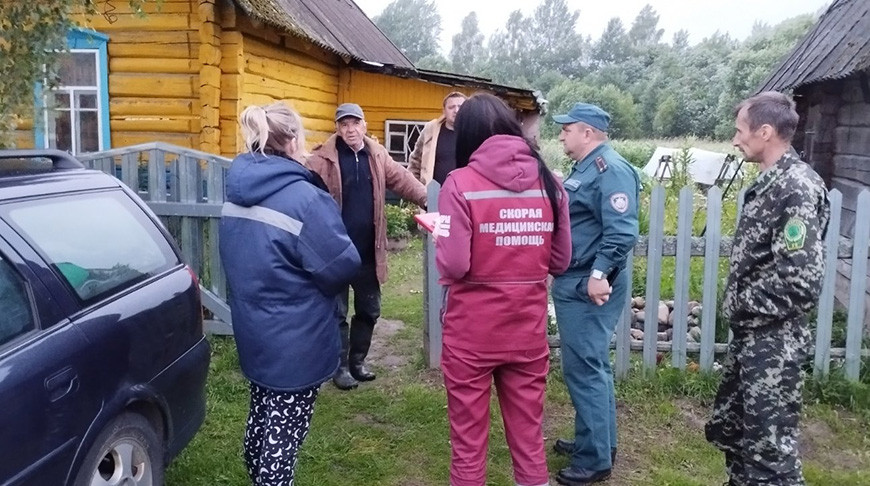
x=180, y=37
x=711, y=277
x=166, y=86
x=232, y=87
x=855, y=320
x=854, y=115
x=681, y=283
x=150, y=50
x=124, y=139
x=653, y=276
x=852, y=140
x=255, y=84
x=215, y=195
x=257, y=47
x=157, y=176
x=852, y=167
x=290, y=71
x=190, y=193
x=150, y=8
x=623, y=331
x=152, y=65
x=123, y=107
x=157, y=124
x=825, y=319
x=144, y=24
x=130, y=171
x=432, y=291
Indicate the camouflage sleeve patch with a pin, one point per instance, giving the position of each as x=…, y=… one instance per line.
x=795, y=234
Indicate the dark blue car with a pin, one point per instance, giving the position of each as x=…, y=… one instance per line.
x=103, y=361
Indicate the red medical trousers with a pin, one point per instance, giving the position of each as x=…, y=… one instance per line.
x=520, y=382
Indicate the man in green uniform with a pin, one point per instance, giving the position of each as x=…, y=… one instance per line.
x=777, y=266
x=590, y=296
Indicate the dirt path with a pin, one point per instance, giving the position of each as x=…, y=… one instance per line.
x=383, y=352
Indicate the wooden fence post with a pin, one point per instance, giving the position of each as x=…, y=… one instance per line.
x=681, y=283
x=858, y=287
x=711, y=277
x=653, y=276
x=825, y=314
x=431, y=290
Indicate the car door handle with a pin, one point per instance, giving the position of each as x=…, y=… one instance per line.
x=61, y=384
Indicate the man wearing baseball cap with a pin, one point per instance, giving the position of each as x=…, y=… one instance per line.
x=358, y=170
x=590, y=296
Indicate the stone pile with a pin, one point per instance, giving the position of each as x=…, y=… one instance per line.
x=664, y=317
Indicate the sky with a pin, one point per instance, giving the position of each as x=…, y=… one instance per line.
x=701, y=18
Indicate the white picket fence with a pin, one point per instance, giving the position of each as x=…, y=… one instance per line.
x=185, y=188
x=712, y=246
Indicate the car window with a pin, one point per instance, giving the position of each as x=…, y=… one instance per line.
x=16, y=314
x=99, y=242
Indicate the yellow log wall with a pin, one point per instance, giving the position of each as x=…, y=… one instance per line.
x=154, y=71
x=305, y=80
x=385, y=98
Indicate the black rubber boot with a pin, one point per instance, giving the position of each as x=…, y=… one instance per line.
x=360, y=341
x=342, y=379
x=565, y=447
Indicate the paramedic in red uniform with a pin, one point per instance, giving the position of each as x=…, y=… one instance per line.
x=503, y=228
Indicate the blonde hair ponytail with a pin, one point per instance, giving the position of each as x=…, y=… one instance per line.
x=271, y=126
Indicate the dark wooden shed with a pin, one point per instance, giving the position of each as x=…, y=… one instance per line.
x=829, y=74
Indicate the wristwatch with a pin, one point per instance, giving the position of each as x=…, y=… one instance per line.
x=597, y=275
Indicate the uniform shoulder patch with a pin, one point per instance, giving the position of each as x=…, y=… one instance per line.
x=600, y=163
x=619, y=202
x=795, y=234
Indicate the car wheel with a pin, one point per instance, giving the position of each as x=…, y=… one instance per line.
x=128, y=452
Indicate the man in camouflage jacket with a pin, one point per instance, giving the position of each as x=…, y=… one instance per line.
x=777, y=266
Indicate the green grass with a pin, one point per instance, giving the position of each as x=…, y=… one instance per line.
x=394, y=431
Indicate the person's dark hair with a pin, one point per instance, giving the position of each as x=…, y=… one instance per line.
x=484, y=115
x=771, y=108
x=452, y=94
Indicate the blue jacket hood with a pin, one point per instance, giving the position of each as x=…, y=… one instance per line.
x=254, y=177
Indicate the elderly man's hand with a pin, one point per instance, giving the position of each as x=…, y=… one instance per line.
x=599, y=291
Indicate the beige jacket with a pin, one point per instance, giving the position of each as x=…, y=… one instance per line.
x=421, y=163
x=386, y=173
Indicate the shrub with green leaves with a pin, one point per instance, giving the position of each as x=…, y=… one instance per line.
x=400, y=220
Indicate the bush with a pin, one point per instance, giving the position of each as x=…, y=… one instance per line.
x=400, y=220
x=636, y=152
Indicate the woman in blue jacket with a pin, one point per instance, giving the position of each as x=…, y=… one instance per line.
x=286, y=254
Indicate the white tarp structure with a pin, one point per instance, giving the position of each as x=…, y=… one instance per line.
x=706, y=166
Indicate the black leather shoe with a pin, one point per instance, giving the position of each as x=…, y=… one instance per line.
x=343, y=379
x=565, y=447
x=361, y=372
x=571, y=476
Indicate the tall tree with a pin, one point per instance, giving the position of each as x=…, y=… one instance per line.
x=468, y=53
x=509, y=52
x=413, y=25
x=613, y=47
x=554, y=43
x=750, y=64
x=645, y=30
x=680, y=42
x=31, y=36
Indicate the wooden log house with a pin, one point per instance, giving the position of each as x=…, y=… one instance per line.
x=182, y=71
x=829, y=74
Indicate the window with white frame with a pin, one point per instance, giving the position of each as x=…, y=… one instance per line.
x=73, y=108
x=401, y=137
